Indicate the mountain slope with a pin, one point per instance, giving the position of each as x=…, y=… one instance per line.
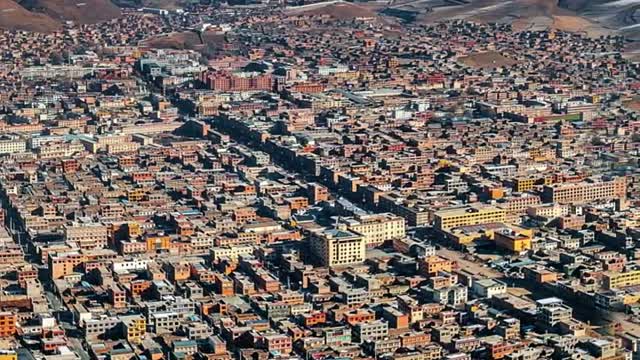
x=620, y=15
x=15, y=17
x=522, y=14
x=78, y=11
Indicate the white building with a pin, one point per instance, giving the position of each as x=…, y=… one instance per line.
x=488, y=288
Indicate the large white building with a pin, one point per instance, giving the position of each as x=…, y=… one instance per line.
x=489, y=288
x=12, y=146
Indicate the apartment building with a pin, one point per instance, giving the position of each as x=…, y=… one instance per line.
x=225, y=81
x=434, y=264
x=413, y=212
x=613, y=280
x=469, y=215
x=377, y=228
x=12, y=146
x=231, y=252
x=455, y=295
x=117, y=296
x=489, y=287
x=86, y=236
x=373, y=330
x=64, y=264
x=165, y=321
x=334, y=247
x=135, y=328
x=585, y=191
x=278, y=343
x=552, y=311
x=99, y=326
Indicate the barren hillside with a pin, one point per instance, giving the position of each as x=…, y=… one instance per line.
x=79, y=11
x=15, y=17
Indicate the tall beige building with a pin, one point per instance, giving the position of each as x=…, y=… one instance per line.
x=336, y=247
x=86, y=236
x=376, y=228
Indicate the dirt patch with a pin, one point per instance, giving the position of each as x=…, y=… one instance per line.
x=570, y=23
x=179, y=40
x=213, y=39
x=210, y=44
x=632, y=104
x=487, y=60
x=579, y=24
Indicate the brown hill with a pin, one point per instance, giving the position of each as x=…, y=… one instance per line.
x=78, y=11
x=340, y=11
x=522, y=14
x=177, y=40
x=15, y=17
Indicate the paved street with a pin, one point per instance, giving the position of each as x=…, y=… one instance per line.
x=77, y=346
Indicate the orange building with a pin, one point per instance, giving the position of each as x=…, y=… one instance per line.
x=297, y=203
x=7, y=324
x=396, y=318
x=359, y=316
x=267, y=282
x=126, y=162
x=179, y=271
x=314, y=318
x=135, y=194
x=26, y=274
x=62, y=265
x=539, y=274
x=501, y=349
x=433, y=264
x=495, y=193
x=70, y=166
x=308, y=88
x=317, y=193
x=155, y=243
x=142, y=176
x=184, y=228
x=224, y=285
x=244, y=215
x=138, y=287
x=414, y=339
